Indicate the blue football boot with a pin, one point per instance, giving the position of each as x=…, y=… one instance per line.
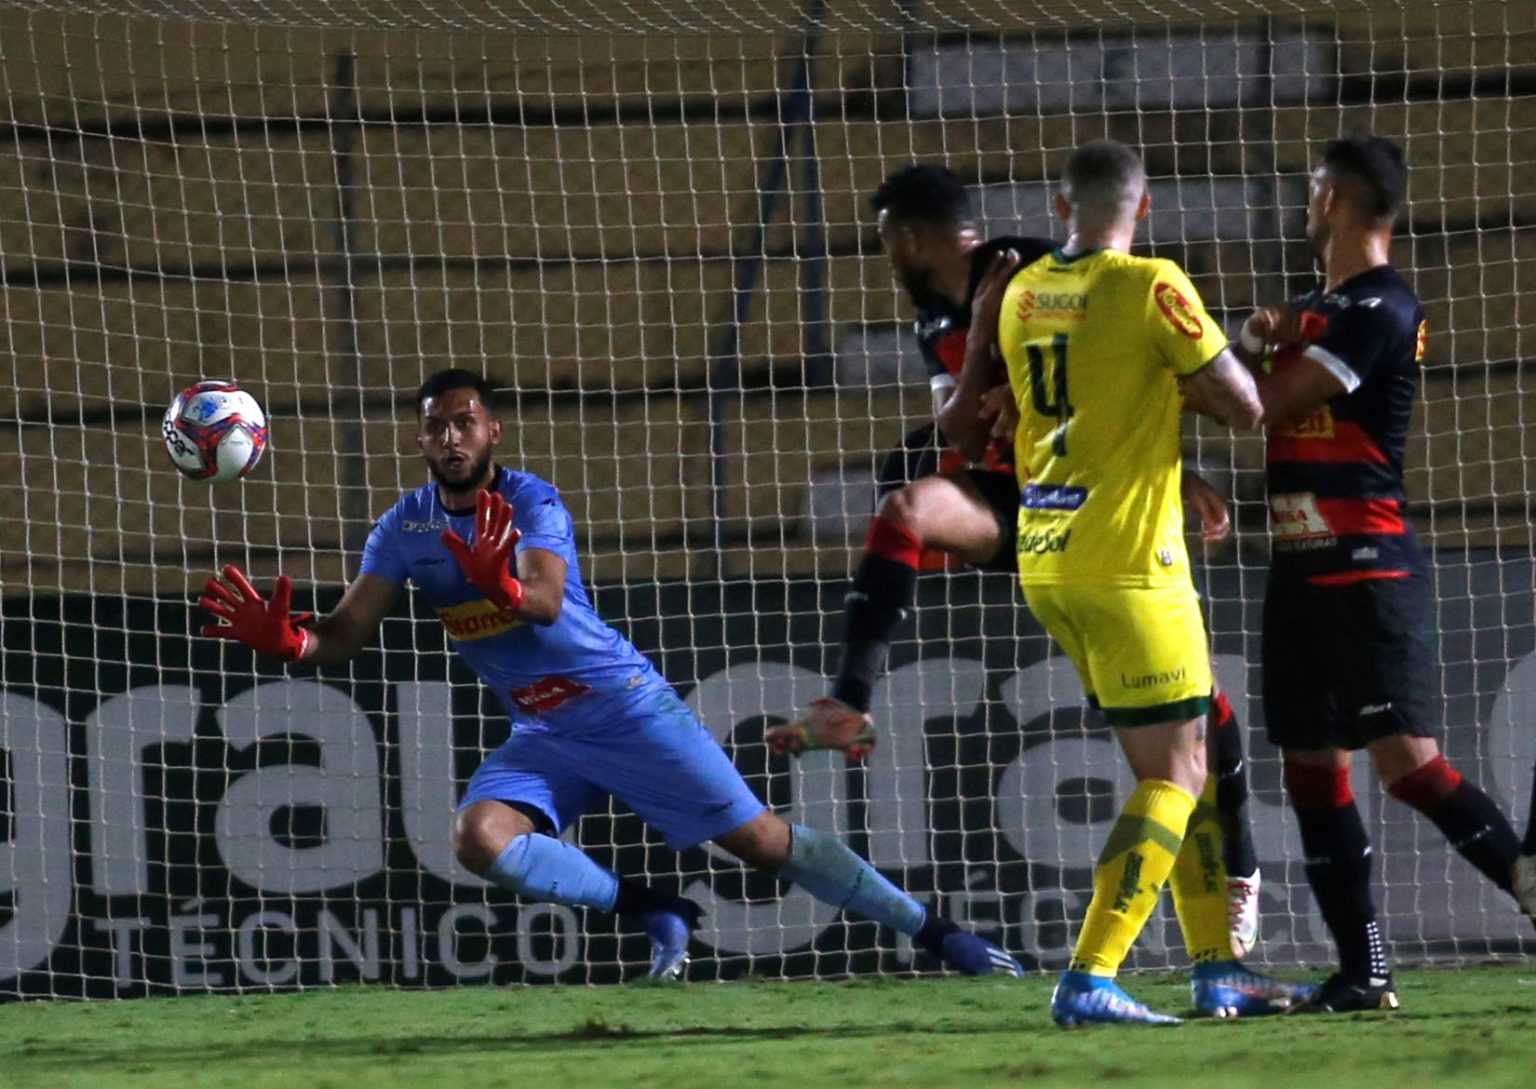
x=1082, y=999
x=972, y=955
x=964, y=952
x=1226, y=988
x=669, y=929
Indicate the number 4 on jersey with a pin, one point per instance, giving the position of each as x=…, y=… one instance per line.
x=1055, y=402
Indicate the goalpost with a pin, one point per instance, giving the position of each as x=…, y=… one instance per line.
x=648, y=224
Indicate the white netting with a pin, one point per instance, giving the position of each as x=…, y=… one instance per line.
x=649, y=223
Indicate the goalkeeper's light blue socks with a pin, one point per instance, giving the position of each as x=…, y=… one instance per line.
x=827, y=869
x=543, y=868
x=548, y=870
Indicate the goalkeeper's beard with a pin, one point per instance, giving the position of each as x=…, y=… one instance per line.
x=474, y=478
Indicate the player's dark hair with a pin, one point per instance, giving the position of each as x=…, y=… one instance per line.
x=1377, y=164
x=926, y=195
x=1103, y=174
x=456, y=378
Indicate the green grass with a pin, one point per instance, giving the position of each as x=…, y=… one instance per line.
x=1470, y=1027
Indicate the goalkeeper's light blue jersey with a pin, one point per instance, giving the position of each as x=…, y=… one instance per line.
x=574, y=674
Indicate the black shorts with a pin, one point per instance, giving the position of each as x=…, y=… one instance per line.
x=918, y=456
x=1346, y=665
x=1001, y=492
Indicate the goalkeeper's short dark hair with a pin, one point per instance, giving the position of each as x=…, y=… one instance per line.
x=1377, y=164
x=924, y=194
x=456, y=378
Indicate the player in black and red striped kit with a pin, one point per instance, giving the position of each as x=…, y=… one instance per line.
x=934, y=506
x=1346, y=665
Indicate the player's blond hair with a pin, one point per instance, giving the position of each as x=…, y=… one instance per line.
x=1103, y=180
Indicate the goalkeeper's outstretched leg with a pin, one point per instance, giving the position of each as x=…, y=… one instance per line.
x=669, y=769
x=508, y=845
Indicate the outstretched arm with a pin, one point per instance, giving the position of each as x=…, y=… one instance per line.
x=352, y=625
x=268, y=626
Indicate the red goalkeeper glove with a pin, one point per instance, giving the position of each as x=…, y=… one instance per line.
x=243, y=615
x=486, y=562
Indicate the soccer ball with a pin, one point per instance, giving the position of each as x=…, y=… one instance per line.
x=215, y=431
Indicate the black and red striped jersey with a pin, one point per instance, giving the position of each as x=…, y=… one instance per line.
x=1336, y=496
x=941, y=326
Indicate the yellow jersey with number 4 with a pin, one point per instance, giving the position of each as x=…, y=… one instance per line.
x=1095, y=345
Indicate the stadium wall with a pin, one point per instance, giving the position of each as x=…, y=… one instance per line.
x=573, y=212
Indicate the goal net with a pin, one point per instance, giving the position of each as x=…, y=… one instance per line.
x=648, y=224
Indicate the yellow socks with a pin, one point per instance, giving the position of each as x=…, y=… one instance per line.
x=1136, y=862
x=1199, y=884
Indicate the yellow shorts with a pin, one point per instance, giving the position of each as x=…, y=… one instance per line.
x=1142, y=653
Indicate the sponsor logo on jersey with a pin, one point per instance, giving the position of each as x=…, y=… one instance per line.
x=1177, y=309
x=547, y=693
x=1055, y=305
x=1297, y=516
x=1052, y=497
x=471, y=620
x=1152, y=680
x=434, y=525
x=1042, y=541
x=1317, y=424
x=1421, y=341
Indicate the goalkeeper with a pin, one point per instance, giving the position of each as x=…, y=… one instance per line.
x=493, y=550
x=936, y=506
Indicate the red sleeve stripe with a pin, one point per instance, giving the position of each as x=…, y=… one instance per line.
x=1349, y=578
x=1359, y=517
x=1349, y=444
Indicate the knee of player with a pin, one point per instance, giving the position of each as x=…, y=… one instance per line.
x=901, y=507
x=479, y=837
x=762, y=843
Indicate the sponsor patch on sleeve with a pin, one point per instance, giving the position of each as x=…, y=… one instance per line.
x=1177, y=309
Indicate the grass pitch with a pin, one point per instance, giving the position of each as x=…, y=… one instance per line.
x=1472, y=1027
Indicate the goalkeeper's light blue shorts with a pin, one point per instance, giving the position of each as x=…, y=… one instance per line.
x=656, y=758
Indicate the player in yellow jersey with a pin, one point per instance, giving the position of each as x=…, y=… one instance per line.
x=1096, y=344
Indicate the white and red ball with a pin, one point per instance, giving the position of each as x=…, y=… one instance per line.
x=215, y=431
